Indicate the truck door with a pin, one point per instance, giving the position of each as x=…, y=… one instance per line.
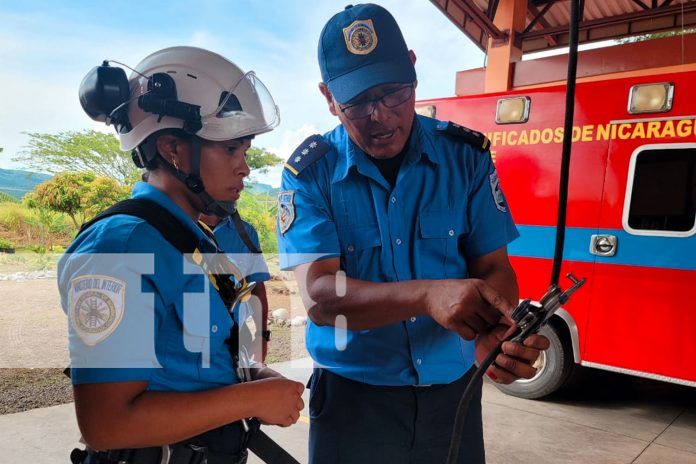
x=642, y=310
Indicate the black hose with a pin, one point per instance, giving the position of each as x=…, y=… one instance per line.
x=567, y=139
x=463, y=407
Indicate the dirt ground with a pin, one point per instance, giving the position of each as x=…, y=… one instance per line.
x=33, y=334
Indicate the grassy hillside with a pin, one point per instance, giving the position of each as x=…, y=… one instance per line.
x=18, y=183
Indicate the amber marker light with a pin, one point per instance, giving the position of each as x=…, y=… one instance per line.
x=651, y=98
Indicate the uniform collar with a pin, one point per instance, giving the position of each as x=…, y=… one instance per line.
x=353, y=156
x=152, y=193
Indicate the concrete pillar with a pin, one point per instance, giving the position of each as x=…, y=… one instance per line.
x=510, y=16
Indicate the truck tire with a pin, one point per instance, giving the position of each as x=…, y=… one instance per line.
x=554, y=368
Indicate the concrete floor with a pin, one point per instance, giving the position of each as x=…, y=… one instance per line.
x=604, y=419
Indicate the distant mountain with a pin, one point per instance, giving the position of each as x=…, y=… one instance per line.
x=18, y=183
x=258, y=188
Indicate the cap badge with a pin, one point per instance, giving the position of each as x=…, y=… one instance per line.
x=360, y=37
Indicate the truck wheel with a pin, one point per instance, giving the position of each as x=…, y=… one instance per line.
x=554, y=367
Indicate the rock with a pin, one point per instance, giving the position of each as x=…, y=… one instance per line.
x=298, y=321
x=280, y=315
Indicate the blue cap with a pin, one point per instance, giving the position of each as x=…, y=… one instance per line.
x=361, y=47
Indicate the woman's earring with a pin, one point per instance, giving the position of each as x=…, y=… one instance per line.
x=175, y=162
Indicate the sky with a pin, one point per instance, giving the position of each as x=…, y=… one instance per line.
x=47, y=46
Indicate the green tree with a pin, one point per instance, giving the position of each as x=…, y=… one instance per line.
x=92, y=151
x=85, y=151
x=80, y=195
x=656, y=35
x=49, y=223
x=259, y=159
x=103, y=192
x=262, y=215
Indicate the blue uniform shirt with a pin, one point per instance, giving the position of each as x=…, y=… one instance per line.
x=138, y=311
x=252, y=265
x=445, y=208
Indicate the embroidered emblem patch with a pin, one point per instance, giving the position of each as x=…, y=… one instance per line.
x=96, y=306
x=497, y=192
x=286, y=210
x=360, y=37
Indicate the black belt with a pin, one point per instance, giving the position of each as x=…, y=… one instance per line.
x=178, y=454
x=260, y=444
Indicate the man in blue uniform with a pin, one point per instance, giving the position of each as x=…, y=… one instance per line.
x=396, y=228
x=150, y=331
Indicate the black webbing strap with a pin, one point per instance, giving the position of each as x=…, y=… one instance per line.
x=241, y=230
x=171, y=228
x=268, y=450
x=186, y=241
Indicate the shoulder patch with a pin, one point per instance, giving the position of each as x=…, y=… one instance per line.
x=309, y=151
x=472, y=137
x=97, y=303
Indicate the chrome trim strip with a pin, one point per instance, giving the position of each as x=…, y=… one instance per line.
x=647, y=375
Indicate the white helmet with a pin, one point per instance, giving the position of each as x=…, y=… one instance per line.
x=233, y=104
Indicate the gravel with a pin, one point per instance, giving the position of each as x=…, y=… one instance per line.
x=25, y=389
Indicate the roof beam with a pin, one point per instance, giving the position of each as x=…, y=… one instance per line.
x=612, y=20
x=492, y=8
x=481, y=19
x=538, y=17
x=643, y=5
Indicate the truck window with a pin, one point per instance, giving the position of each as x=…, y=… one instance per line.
x=663, y=191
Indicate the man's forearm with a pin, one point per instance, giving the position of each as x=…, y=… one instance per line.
x=364, y=305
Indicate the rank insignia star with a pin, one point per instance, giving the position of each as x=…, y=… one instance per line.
x=309, y=151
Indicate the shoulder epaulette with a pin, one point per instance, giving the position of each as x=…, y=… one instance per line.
x=476, y=139
x=309, y=151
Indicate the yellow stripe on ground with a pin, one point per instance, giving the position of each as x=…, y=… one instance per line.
x=304, y=419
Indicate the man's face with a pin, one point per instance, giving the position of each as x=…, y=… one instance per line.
x=384, y=132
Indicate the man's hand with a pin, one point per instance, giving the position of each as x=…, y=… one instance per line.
x=516, y=360
x=469, y=307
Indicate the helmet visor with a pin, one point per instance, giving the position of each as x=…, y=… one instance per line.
x=246, y=109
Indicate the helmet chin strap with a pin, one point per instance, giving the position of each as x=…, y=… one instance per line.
x=194, y=183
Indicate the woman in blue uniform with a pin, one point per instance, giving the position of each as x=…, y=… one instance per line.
x=149, y=333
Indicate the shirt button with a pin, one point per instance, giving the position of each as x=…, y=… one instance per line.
x=214, y=328
x=451, y=233
x=413, y=319
x=351, y=248
x=393, y=199
x=419, y=361
x=398, y=241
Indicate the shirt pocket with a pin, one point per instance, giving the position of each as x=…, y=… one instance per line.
x=360, y=247
x=204, y=325
x=437, y=245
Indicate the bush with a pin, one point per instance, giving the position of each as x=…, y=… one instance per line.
x=12, y=216
x=260, y=211
x=7, y=198
x=6, y=244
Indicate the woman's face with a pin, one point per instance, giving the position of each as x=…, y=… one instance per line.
x=224, y=167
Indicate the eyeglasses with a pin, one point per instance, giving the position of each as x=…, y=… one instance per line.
x=391, y=99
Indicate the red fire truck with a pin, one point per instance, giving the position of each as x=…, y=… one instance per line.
x=631, y=225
